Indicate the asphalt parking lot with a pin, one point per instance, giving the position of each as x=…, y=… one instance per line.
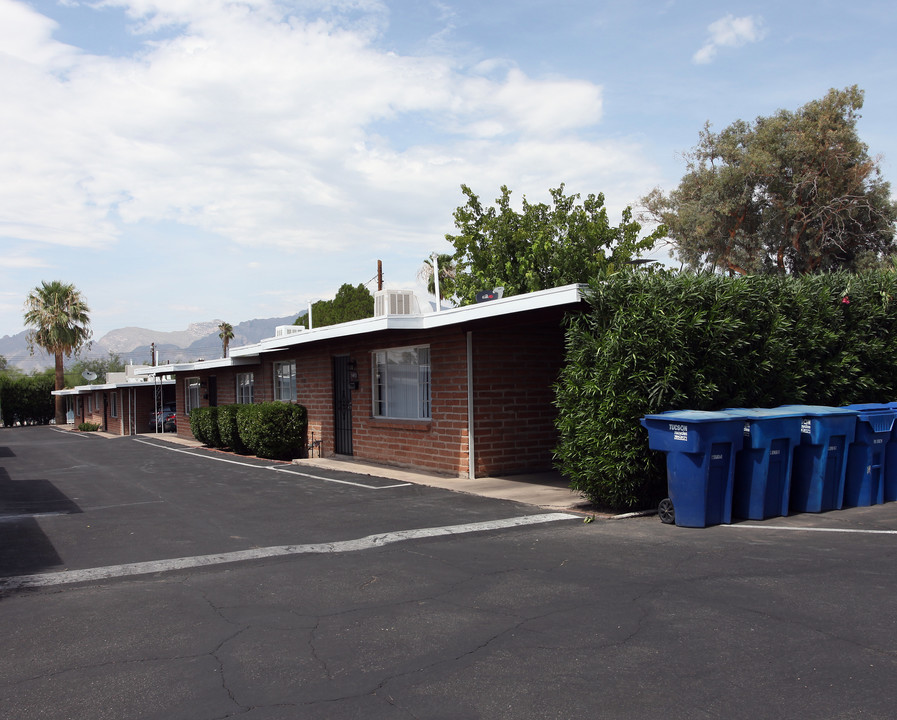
x=138, y=582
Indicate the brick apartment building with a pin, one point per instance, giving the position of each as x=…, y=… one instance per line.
x=466, y=391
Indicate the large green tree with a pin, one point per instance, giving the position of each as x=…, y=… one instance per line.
x=74, y=375
x=350, y=303
x=57, y=316
x=540, y=247
x=795, y=192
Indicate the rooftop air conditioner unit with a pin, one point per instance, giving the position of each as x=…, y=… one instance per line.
x=395, y=302
x=284, y=330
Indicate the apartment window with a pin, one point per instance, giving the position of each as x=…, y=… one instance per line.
x=401, y=382
x=192, y=393
x=90, y=404
x=113, y=404
x=285, y=381
x=245, y=384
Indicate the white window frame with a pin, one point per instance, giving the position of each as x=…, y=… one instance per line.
x=245, y=388
x=113, y=404
x=401, y=389
x=285, y=382
x=192, y=388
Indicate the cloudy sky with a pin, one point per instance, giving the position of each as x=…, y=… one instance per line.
x=192, y=160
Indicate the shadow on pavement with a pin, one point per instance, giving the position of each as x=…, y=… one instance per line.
x=24, y=548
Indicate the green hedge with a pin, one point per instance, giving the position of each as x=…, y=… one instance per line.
x=204, y=426
x=27, y=399
x=667, y=341
x=273, y=430
x=227, y=428
x=270, y=430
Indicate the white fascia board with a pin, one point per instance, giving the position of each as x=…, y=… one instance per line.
x=198, y=365
x=87, y=389
x=553, y=297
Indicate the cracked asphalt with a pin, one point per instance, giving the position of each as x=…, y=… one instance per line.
x=562, y=619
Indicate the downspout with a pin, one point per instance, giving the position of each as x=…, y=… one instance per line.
x=471, y=471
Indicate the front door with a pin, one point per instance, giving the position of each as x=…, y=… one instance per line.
x=213, y=391
x=342, y=406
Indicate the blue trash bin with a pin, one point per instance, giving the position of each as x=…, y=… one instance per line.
x=890, y=481
x=700, y=455
x=762, y=482
x=864, y=481
x=820, y=460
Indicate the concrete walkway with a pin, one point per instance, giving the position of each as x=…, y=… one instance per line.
x=548, y=490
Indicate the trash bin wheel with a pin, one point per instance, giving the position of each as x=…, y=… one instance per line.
x=666, y=512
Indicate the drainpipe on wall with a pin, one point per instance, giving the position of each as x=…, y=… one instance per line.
x=471, y=472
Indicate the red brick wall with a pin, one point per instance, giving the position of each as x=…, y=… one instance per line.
x=514, y=425
x=514, y=369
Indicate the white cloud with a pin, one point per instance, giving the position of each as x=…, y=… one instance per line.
x=730, y=31
x=253, y=126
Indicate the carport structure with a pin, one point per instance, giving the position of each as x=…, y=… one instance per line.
x=122, y=406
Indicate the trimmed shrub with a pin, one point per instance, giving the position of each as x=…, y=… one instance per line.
x=89, y=427
x=204, y=426
x=660, y=341
x=228, y=431
x=273, y=430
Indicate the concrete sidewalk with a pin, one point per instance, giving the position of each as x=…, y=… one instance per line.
x=548, y=490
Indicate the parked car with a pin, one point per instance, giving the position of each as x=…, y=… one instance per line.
x=166, y=420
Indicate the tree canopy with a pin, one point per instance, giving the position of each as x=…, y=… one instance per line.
x=350, y=303
x=74, y=375
x=57, y=316
x=540, y=247
x=796, y=192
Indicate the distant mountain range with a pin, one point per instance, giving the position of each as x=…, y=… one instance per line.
x=133, y=344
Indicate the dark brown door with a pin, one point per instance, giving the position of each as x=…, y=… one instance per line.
x=342, y=406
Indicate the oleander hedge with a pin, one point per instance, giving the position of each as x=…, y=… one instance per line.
x=659, y=341
x=27, y=399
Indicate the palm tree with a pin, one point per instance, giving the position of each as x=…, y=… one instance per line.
x=226, y=335
x=58, y=317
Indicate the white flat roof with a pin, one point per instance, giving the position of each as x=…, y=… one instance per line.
x=86, y=389
x=248, y=354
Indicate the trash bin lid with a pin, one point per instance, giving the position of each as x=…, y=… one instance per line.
x=816, y=410
x=765, y=413
x=694, y=416
x=878, y=415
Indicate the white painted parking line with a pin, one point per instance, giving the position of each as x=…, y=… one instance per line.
x=813, y=529
x=365, y=543
x=341, y=482
x=278, y=469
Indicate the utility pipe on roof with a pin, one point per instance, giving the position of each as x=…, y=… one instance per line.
x=471, y=466
x=435, y=259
